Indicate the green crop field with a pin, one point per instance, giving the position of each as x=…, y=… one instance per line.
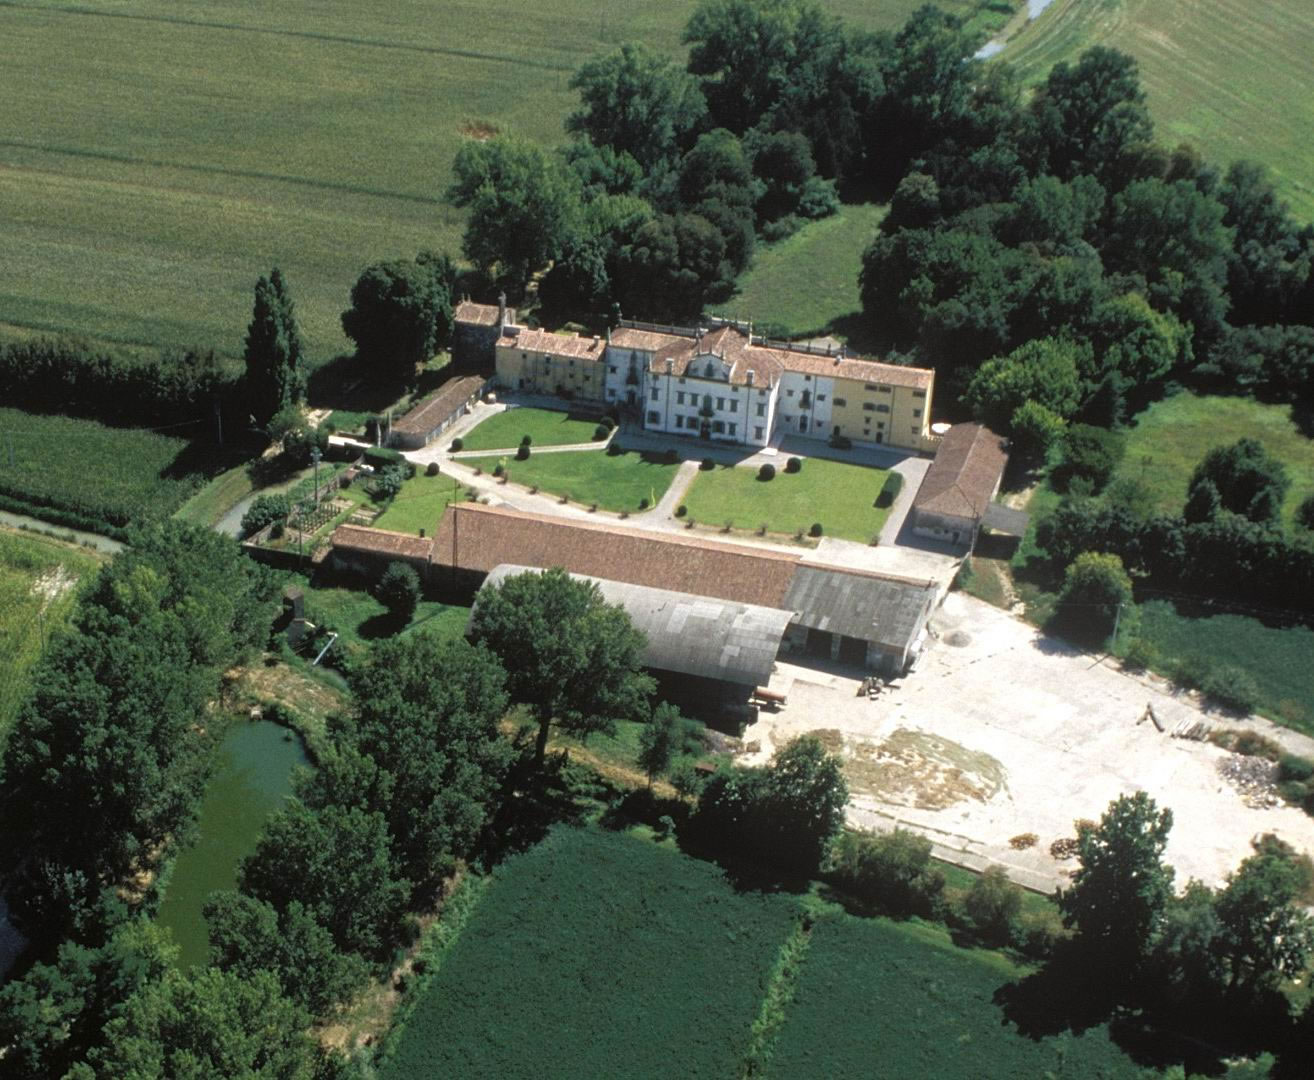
x=420, y=504
x=1171, y=437
x=156, y=159
x=81, y=473
x=615, y=483
x=544, y=426
x=808, y=283
x=883, y=1000
x=38, y=579
x=598, y=954
x=838, y=496
x=1230, y=77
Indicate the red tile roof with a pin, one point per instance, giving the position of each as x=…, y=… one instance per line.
x=556, y=344
x=477, y=314
x=439, y=405
x=962, y=479
x=357, y=538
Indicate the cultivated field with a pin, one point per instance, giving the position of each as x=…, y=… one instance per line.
x=156, y=160
x=1171, y=437
x=38, y=581
x=840, y=497
x=81, y=473
x=1230, y=77
x=884, y=1000
x=599, y=954
x=545, y=427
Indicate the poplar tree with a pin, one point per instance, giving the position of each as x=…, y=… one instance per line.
x=275, y=377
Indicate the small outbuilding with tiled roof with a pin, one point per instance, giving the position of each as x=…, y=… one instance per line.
x=958, y=487
x=436, y=413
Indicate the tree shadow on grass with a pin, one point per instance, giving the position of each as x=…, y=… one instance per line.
x=350, y=382
x=534, y=798
x=1067, y=995
x=383, y=625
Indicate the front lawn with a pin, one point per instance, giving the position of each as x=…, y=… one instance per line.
x=617, y=483
x=420, y=504
x=1172, y=436
x=545, y=427
x=840, y=497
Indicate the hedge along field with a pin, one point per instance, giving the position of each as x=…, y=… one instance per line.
x=38, y=586
x=81, y=473
x=884, y=1000
x=156, y=160
x=1230, y=77
x=598, y=954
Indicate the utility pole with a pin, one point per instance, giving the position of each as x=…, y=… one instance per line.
x=315, y=455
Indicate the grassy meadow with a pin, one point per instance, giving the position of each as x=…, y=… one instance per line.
x=615, y=482
x=420, y=504
x=808, y=282
x=156, y=160
x=360, y=619
x=840, y=497
x=545, y=427
x=81, y=473
x=1230, y=77
x=38, y=586
x=1170, y=438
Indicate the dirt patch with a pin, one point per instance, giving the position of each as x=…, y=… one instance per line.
x=285, y=686
x=915, y=769
x=51, y=585
x=479, y=130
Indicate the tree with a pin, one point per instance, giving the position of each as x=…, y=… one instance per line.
x=671, y=267
x=1044, y=371
x=209, y=1023
x=1090, y=454
x=1121, y=890
x=1057, y=217
x=717, y=183
x=275, y=376
x=1096, y=590
x=667, y=736
x=993, y=903
x=1305, y=513
x=399, y=591
x=637, y=102
x=336, y=862
x=249, y=936
x=571, y=657
x=524, y=207
x=424, y=738
x=1035, y=430
x=401, y=312
x=1136, y=342
x=1090, y=118
x=1271, y=257
x=893, y=870
x=1266, y=935
x=1248, y=480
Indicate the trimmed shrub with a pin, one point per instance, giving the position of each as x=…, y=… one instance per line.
x=388, y=483
x=793, y=465
x=431, y=469
x=707, y=464
x=399, y=590
x=499, y=470
x=816, y=529
x=993, y=904
x=643, y=503
x=608, y=421
x=766, y=472
x=601, y=432
x=526, y=440
x=382, y=456
x=614, y=449
x=457, y=444
x=265, y=510
x=890, y=490
x=522, y=452
x=681, y=510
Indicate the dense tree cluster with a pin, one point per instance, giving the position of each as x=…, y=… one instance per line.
x=401, y=311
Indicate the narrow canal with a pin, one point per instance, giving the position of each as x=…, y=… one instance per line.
x=252, y=776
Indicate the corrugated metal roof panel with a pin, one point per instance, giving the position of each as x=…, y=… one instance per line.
x=890, y=613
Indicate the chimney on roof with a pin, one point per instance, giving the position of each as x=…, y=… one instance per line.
x=749, y=375
x=501, y=310
x=596, y=342
x=670, y=365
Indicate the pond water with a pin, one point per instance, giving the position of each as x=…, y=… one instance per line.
x=252, y=776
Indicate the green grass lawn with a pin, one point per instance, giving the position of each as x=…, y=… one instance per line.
x=1228, y=76
x=1172, y=436
x=38, y=587
x=1277, y=657
x=884, y=1000
x=420, y=504
x=598, y=954
x=825, y=254
x=360, y=619
x=156, y=160
x=546, y=427
x=839, y=496
x=91, y=475
x=615, y=483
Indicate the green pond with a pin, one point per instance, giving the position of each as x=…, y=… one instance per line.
x=252, y=776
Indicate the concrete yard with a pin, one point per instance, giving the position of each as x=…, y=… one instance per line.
x=1001, y=731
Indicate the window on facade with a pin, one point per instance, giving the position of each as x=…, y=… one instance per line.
x=917, y=412
x=709, y=369
x=887, y=390
x=681, y=380
x=757, y=433
x=732, y=428
x=679, y=421
x=821, y=397
x=679, y=397
x=871, y=386
x=761, y=410
x=919, y=393
x=807, y=378
x=761, y=393
x=720, y=403
x=868, y=406
x=654, y=393
x=840, y=402
x=718, y=427
x=915, y=431
x=734, y=404
x=882, y=408
x=654, y=417
x=524, y=356
x=610, y=392
x=611, y=368
x=789, y=393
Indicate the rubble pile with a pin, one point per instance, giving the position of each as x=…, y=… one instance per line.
x=1066, y=848
x=1254, y=777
